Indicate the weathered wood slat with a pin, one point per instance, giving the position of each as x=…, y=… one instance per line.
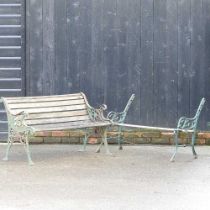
x=57, y=120
x=10, y=41
x=70, y=125
x=54, y=109
x=46, y=104
x=58, y=114
x=35, y=99
x=7, y=84
x=10, y=10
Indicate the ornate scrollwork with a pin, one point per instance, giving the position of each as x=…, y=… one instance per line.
x=19, y=120
x=187, y=123
x=97, y=114
x=118, y=117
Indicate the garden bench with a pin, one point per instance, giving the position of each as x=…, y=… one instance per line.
x=28, y=115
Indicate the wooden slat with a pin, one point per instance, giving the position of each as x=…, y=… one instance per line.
x=69, y=125
x=57, y=120
x=58, y=114
x=46, y=104
x=10, y=52
x=10, y=20
x=10, y=74
x=7, y=84
x=9, y=10
x=61, y=47
x=48, y=52
x=10, y=1
x=10, y=92
x=10, y=30
x=10, y=62
x=43, y=98
x=54, y=109
x=146, y=66
x=10, y=40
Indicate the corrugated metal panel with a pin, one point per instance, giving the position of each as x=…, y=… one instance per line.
x=12, y=41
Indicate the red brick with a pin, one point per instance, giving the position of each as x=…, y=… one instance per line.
x=201, y=141
x=204, y=135
x=92, y=140
x=43, y=133
x=167, y=134
x=60, y=133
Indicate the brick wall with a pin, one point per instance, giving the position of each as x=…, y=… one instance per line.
x=133, y=137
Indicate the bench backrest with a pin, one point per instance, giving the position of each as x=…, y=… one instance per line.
x=50, y=109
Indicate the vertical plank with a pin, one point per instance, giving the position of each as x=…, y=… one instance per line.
x=184, y=57
x=34, y=47
x=48, y=47
x=60, y=83
x=119, y=75
x=197, y=73
x=147, y=68
x=97, y=72
x=160, y=63
x=206, y=23
x=110, y=72
x=172, y=63
x=132, y=74
x=73, y=31
x=84, y=47
x=23, y=47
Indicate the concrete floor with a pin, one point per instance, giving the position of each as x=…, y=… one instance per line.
x=137, y=178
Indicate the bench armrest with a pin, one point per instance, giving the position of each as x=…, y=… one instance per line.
x=20, y=113
x=116, y=117
x=17, y=121
x=97, y=114
x=187, y=123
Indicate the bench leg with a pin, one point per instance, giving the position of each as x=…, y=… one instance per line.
x=119, y=139
x=85, y=139
x=104, y=139
x=103, y=133
x=99, y=147
x=10, y=141
x=193, y=144
x=25, y=142
x=176, y=141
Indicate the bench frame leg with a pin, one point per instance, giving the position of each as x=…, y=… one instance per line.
x=119, y=139
x=103, y=133
x=24, y=139
x=10, y=142
x=176, y=141
x=193, y=144
x=85, y=140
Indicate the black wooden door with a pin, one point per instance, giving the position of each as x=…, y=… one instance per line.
x=12, y=53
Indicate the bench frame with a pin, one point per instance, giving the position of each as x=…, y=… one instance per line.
x=188, y=125
x=114, y=117
x=19, y=130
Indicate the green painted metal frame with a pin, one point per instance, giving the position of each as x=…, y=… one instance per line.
x=114, y=117
x=18, y=129
x=188, y=125
x=119, y=117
